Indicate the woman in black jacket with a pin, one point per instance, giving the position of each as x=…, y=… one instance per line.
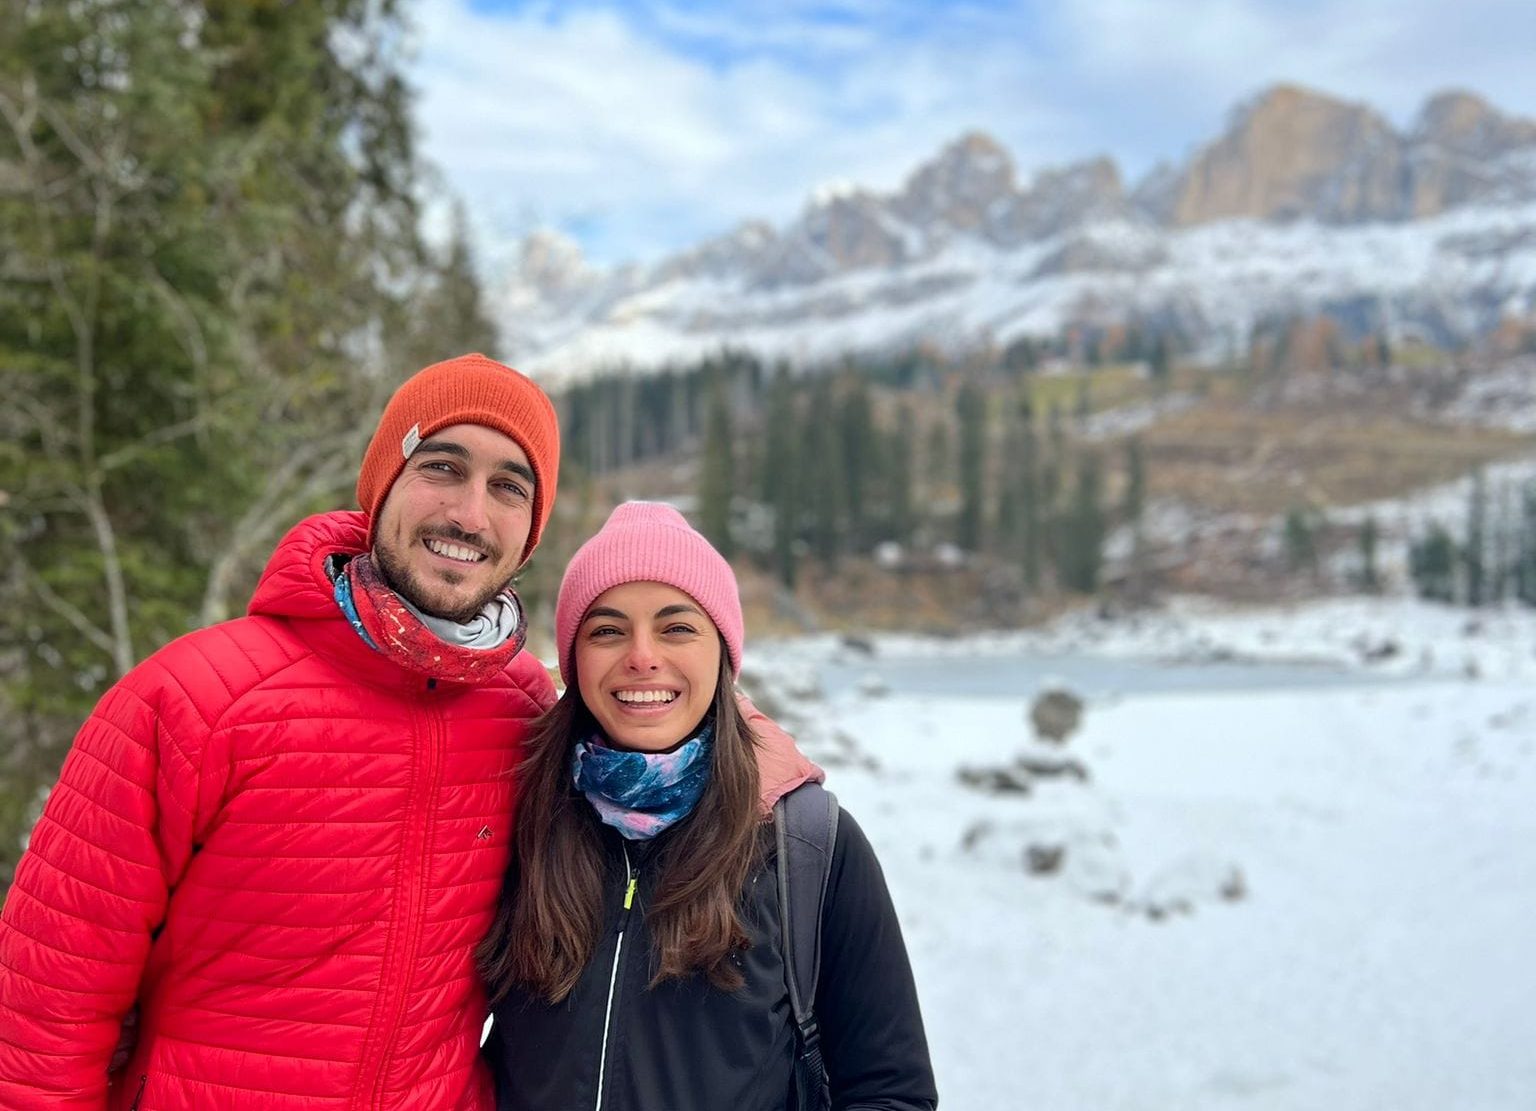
x=636, y=963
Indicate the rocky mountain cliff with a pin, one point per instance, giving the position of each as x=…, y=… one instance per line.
x=1305, y=203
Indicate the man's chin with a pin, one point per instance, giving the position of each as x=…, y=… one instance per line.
x=450, y=605
x=453, y=609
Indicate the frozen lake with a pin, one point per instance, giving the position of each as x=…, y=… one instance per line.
x=1282, y=886
x=1095, y=677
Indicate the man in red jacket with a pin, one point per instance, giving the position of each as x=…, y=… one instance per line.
x=278, y=840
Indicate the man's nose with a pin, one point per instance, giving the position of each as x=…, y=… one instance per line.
x=468, y=510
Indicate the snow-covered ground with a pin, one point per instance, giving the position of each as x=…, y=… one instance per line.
x=1311, y=897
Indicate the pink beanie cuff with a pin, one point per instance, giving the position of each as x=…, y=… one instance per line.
x=648, y=542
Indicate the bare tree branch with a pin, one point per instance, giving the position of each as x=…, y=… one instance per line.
x=65, y=609
x=123, y=657
x=171, y=432
x=193, y=342
x=275, y=511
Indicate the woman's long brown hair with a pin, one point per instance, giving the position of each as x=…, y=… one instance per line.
x=547, y=925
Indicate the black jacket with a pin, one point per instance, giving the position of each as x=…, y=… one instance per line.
x=687, y=1046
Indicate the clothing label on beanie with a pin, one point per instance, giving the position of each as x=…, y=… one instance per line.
x=411, y=442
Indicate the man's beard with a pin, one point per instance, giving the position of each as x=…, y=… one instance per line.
x=394, y=571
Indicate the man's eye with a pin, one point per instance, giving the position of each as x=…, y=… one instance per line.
x=512, y=489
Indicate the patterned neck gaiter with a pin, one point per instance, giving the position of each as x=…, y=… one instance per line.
x=640, y=794
x=388, y=623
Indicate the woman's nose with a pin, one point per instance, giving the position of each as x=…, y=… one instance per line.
x=642, y=654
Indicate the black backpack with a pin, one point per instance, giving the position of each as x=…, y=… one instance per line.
x=805, y=829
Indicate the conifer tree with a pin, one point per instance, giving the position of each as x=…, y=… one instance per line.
x=1132, y=510
x=1525, y=559
x=971, y=408
x=1432, y=565
x=1300, y=541
x=1082, y=527
x=1370, y=577
x=717, y=471
x=1031, y=514
x=901, y=464
x=858, y=450
x=823, y=491
x=1474, y=548
x=449, y=312
x=780, y=477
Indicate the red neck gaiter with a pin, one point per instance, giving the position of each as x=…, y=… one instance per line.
x=400, y=634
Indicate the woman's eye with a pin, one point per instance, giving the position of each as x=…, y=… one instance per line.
x=679, y=630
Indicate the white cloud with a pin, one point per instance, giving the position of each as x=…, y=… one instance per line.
x=639, y=132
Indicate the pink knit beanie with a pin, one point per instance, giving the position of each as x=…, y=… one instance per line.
x=647, y=542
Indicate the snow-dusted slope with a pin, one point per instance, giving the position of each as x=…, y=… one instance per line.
x=1377, y=952
x=1305, y=204
x=1452, y=276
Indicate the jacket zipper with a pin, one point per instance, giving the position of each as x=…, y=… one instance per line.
x=139, y=1095
x=419, y=816
x=631, y=881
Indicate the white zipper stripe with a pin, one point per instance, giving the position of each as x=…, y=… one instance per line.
x=613, y=979
x=602, y=1061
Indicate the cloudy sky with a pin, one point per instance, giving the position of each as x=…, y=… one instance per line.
x=639, y=128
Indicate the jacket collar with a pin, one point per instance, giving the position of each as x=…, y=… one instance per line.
x=296, y=587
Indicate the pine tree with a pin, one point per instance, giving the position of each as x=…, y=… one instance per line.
x=1370, y=577
x=1014, y=523
x=1300, y=541
x=899, y=453
x=1132, y=510
x=451, y=314
x=717, y=472
x=856, y=440
x=780, y=477
x=1432, y=565
x=971, y=408
x=824, y=493
x=1501, y=562
x=1031, y=515
x=1082, y=551
x=1474, y=559
x=1525, y=559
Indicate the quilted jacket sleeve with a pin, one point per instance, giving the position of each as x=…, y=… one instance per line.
x=90, y=890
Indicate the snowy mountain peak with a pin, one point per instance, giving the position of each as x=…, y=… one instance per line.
x=1292, y=152
x=1461, y=121
x=552, y=262
x=1305, y=204
x=957, y=189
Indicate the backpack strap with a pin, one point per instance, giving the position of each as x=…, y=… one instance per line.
x=805, y=831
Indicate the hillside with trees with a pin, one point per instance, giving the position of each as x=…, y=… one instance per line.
x=213, y=275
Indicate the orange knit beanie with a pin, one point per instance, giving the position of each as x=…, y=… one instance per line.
x=470, y=389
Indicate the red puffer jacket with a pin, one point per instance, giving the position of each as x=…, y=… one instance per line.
x=284, y=848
